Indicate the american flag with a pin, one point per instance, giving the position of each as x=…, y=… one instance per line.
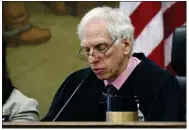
x=154, y=24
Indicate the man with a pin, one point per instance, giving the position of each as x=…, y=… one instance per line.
x=106, y=36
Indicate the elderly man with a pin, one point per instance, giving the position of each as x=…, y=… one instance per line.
x=106, y=36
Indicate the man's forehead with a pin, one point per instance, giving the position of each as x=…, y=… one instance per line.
x=95, y=27
x=95, y=32
x=96, y=21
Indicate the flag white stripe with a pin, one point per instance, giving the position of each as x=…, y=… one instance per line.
x=167, y=49
x=167, y=42
x=166, y=5
x=153, y=33
x=151, y=36
x=128, y=7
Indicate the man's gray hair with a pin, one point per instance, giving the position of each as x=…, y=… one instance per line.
x=119, y=25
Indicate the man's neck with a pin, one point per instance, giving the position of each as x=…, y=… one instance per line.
x=133, y=62
x=123, y=67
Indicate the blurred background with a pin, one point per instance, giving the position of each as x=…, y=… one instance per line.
x=41, y=40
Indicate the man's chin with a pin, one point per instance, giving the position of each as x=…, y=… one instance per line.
x=102, y=77
x=105, y=77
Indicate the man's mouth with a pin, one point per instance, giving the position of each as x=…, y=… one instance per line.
x=98, y=71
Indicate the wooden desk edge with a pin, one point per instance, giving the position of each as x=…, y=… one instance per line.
x=183, y=124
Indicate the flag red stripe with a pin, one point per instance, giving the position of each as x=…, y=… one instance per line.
x=174, y=17
x=143, y=15
x=157, y=55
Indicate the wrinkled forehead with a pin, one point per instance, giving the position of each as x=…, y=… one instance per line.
x=95, y=32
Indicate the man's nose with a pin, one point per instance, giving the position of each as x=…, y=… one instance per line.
x=92, y=59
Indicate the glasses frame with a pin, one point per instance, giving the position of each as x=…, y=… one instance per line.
x=103, y=52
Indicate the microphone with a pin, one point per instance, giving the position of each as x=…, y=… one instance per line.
x=71, y=97
x=5, y=118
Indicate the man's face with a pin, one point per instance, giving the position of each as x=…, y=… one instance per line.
x=96, y=38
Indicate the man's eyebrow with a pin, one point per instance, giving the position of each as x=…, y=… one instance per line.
x=102, y=42
x=82, y=45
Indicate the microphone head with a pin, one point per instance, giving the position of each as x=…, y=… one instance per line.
x=5, y=118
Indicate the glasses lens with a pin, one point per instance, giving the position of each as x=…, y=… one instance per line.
x=98, y=55
x=82, y=57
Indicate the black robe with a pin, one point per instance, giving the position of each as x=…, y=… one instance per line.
x=157, y=89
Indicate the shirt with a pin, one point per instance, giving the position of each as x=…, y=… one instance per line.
x=118, y=82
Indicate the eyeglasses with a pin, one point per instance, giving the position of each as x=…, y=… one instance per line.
x=83, y=55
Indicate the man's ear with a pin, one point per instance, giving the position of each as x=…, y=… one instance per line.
x=127, y=46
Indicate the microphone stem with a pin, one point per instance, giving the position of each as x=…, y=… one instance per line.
x=69, y=99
